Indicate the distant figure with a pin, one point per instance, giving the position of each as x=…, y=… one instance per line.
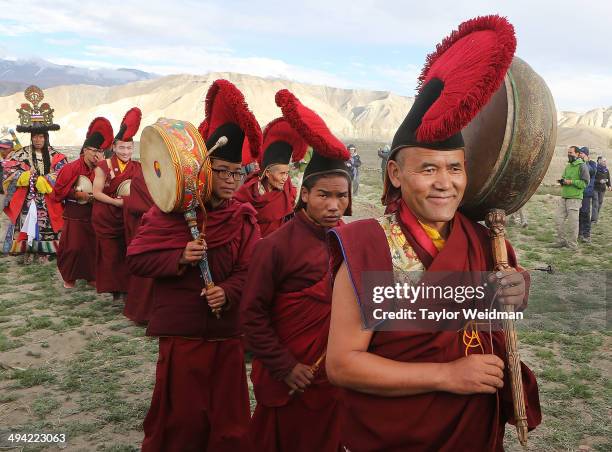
x=584, y=230
x=383, y=153
x=602, y=183
x=354, y=165
x=519, y=218
x=573, y=181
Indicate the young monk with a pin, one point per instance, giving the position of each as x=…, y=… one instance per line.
x=201, y=399
x=287, y=300
x=270, y=191
x=76, y=254
x=422, y=390
x=107, y=217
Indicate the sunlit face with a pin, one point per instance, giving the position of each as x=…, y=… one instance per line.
x=571, y=152
x=327, y=200
x=432, y=182
x=277, y=175
x=225, y=178
x=123, y=150
x=92, y=155
x=38, y=141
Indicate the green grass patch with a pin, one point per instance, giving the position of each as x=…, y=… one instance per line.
x=32, y=377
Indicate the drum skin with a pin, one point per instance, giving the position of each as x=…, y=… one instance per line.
x=123, y=189
x=83, y=184
x=509, y=144
x=175, y=166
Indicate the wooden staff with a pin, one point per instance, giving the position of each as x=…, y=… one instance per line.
x=314, y=369
x=496, y=222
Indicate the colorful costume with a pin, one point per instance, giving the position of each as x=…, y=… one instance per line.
x=28, y=180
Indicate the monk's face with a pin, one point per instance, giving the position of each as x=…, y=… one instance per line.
x=432, y=182
x=38, y=141
x=277, y=175
x=327, y=200
x=92, y=155
x=124, y=150
x=226, y=178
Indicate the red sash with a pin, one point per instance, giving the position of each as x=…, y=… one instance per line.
x=301, y=321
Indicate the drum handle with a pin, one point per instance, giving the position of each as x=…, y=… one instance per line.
x=496, y=222
x=192, y=223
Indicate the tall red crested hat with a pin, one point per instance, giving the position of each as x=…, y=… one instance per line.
x=457, y=81
x=129, y=125
x=281, y=144
x=227, y=114
x=100, y=134
x=329, y=155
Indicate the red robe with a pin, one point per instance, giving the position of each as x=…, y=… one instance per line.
x=436, y=420
x=285, y=315
x=139, y=300
x=274, y=207
x=111, y=270
x=76, y=253
x=201, y=399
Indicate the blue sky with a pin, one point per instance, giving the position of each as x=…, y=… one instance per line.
x=350, y=44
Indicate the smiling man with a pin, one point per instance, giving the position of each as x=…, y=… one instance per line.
x=287, y=300
x=410, y=389
x=201, y=399
x=112, y=275
x=271, y=191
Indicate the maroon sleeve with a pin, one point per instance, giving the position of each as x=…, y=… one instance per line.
x=233, y=286
x=256, y=311
x=155, y=264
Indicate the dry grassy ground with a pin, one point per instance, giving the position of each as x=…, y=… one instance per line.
x=71, y=363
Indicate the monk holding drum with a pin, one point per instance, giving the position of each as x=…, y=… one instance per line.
x=111, y=181
x=201, y=400
x=428, y=389
x=76, y=253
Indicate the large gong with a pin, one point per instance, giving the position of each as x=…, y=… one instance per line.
x=509, y=144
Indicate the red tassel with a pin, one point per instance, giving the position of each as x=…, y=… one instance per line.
x=310, y=126
x=102, y=125
x=280, y=130
x=225, y=103
x=472, y=62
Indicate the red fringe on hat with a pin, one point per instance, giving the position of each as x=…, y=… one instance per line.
x=132, y=122
x=104, y=127
x=225, y=103
x=472, y=70
x=203, y=129
x=311, y=127
x=280, y=130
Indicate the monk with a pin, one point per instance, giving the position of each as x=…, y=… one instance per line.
x=201, y=400
x=287, y=300
x=139, y=299
x=421, y=390
x=107, y=217
x=76, y=254
x=270, y=191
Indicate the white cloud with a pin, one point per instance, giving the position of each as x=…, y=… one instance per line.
x=564, y=40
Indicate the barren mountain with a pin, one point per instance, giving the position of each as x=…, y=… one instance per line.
x=352, y=114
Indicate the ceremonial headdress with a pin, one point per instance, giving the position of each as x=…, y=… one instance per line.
x=281, y=144
x=129, y=125
x=99, y=134
x=35, y=118
x=329, y=154
x=458, y=79
x=227, y=114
